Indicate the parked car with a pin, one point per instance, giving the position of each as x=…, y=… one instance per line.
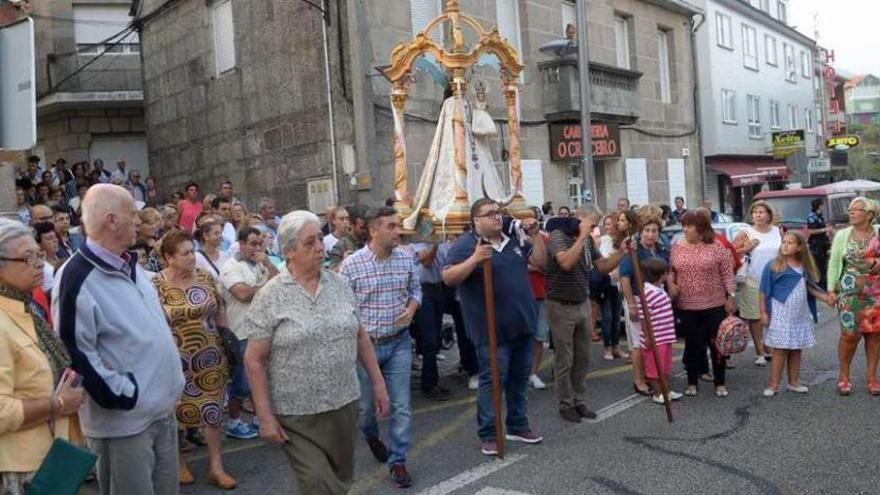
x=673, y=233
x=793, y=206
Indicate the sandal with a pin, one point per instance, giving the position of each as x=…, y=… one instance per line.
x=721, y=392
x=619, y=354
x=873, y=387
x=844, y=387
x=691, y=391
x=647, y=392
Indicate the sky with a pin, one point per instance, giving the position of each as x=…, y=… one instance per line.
x=849, y=27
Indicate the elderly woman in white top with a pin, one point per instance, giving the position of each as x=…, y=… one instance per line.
x=304, y=346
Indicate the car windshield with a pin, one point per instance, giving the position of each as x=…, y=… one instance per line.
x=793, y=209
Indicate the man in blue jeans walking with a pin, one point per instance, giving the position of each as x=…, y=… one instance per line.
x=385, y=281
x=510, y=246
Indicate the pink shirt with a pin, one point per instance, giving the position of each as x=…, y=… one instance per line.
x=703, y=273
x=189, y=211
x=662, y=319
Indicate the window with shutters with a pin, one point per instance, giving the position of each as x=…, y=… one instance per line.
x=723, y=31
x=663, y=57
x=754, y=116
x=569, y=16
x=507, y=15
x=782, y=12
x=805, y=64
x=750, y=47
x=95, y=30
x=774, y=115
x=728, y=106
x=423, y=12
x=790, y=63
x=792, y=117
x=808, y=120
x=621, y=41
x=224, y=36
x=770, y=50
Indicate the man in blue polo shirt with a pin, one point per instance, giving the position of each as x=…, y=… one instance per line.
x=516, y=313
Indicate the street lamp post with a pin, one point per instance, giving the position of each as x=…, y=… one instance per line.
x=588, y=177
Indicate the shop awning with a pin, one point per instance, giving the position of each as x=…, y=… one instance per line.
x=747, y=173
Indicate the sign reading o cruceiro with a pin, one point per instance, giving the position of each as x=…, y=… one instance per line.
x=565, y=141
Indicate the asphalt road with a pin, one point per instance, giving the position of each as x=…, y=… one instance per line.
x=745, y=443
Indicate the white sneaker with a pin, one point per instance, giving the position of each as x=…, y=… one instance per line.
x=801, y=389
x=658, y=399
x=761, y=361
x=536, y=382
x=474, y=382
x=673, y=395
x=769, y=392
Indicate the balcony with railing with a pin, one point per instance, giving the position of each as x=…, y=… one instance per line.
x=613, y=91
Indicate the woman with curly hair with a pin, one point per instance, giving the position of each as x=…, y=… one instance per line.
x=195, y=311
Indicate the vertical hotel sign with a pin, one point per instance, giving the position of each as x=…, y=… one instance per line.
x=833, y=122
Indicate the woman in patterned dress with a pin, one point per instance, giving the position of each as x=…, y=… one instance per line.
x=852, y=274
x=194, y=309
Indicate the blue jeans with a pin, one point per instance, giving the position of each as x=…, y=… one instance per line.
x=466, y=352
x=430, y=322
x=395, y=361
x=238, y=384
x=611, y=317
x=514, y=367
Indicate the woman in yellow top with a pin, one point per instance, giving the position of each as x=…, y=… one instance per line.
x=32, y=359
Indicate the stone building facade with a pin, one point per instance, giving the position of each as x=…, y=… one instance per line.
x=89, y=96
x=262, y=122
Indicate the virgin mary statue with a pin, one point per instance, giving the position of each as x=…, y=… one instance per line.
x=440, y=176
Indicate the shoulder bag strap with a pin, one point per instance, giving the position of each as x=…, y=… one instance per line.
x=208, y=259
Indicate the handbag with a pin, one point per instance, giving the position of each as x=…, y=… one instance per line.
x=63, y=470
x=231, y=346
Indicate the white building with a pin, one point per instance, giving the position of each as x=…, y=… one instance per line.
x=755, y=78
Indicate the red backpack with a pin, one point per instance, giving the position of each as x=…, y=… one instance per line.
x=733, y=336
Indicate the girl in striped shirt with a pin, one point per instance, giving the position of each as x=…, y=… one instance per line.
x=663, y=322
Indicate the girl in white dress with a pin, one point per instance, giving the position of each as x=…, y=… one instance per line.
x=788, y=309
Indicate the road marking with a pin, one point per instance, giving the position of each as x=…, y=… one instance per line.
x=599, y=373
x=472, y=475
x=499, y=491
x=621, y=405
x=381, y=473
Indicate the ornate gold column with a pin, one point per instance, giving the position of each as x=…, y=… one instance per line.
x=401, y=193
x=517, y=207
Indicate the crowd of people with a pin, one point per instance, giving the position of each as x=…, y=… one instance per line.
x=193, y=319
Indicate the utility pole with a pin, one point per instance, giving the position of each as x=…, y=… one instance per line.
x=588, y=176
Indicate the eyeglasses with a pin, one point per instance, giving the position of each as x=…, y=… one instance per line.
x=853, y=210
x=33, y=259
x=490, y=214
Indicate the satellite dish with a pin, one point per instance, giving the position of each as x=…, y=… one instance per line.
x=561, y=47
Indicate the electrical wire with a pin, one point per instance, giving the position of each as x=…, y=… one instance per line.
x=82, y=67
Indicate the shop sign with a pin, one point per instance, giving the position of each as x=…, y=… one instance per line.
x=565, y=141
x=787, y=143
x=842, y=143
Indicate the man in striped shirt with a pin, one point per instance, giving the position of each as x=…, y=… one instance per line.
x=570, y=257
x=385, y=281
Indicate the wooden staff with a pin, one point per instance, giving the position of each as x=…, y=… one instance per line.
x=649, y=330
x=493, y=354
